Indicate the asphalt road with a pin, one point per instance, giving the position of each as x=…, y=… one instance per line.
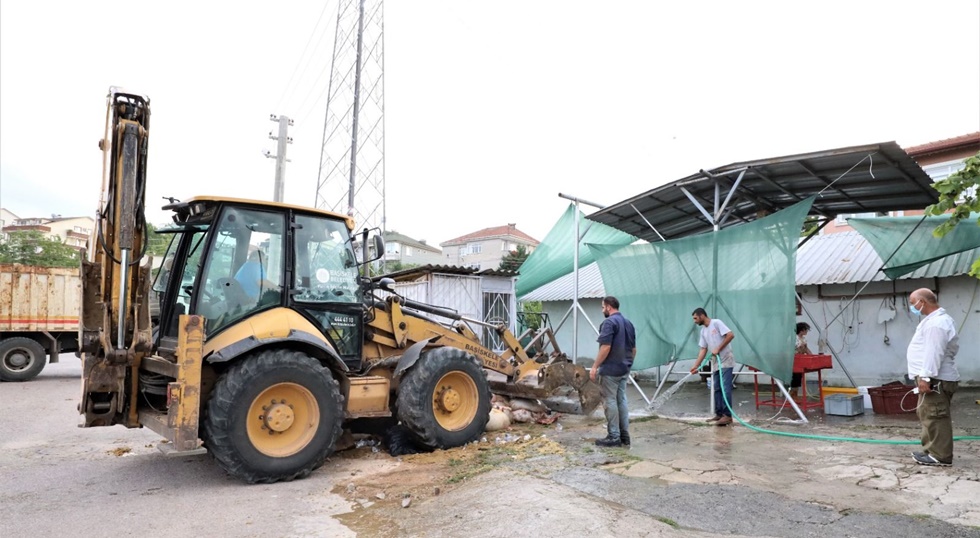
x=57, y=479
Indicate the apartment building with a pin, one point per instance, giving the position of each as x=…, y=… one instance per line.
x=484, y=249
x=408, y=251
x=73, y=231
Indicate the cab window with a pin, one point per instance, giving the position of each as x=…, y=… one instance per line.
x=244, y=267
x=326, y=271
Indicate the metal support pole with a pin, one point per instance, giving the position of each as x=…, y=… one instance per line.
x=575, y=305
x=357, y=110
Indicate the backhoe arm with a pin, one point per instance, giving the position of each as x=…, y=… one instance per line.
x=115, y=330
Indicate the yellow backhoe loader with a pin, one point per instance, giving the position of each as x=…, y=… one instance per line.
x=271, y=337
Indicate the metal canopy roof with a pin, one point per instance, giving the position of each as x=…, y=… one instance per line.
x=860, y=179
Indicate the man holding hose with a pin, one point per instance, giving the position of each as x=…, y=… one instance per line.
x=932, y=364
x=716, y=337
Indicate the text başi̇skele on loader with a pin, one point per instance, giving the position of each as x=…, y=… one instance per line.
x=271, y=338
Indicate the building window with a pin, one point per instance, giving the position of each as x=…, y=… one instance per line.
x=941, y=171
x=842, y=218
x=408, y=251
x=81, y=230
x=391, y=248
x=474, y=248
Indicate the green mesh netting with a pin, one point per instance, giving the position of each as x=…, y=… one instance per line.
x=885, y=234
x=555, y=256
x=744, y=276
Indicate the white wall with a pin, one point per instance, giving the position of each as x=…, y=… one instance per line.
x=859, y=337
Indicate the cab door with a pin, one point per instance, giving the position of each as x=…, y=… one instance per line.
x=326, y=287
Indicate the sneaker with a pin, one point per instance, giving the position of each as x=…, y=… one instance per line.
x=714, y=418
x=609, y=442
x=724, y=421
x=625, y=439
x=918, y=454
x=928, y=459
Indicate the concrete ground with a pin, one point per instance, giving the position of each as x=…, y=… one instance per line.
x=681, y=478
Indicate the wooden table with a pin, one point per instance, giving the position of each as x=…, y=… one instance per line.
x=802, y=364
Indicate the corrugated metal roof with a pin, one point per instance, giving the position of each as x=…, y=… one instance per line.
x=858, y=179
x=589, y=286
x=839, y=258
x=846, y=257
x=417, y=272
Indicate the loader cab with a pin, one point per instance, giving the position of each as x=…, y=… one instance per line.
x=232, y=259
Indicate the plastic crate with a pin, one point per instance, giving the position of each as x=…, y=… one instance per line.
x=887, y=399
x=845, y=405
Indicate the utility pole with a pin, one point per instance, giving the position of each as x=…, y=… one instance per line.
x=280, y=155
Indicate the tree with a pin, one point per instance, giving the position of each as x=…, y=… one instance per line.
x=512, y=260
x=958, y=193
x=32, y=247
x=156, y=243
x=810, y=226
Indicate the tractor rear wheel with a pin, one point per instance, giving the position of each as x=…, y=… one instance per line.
x=273, y=416
x=21, y=359
x=444, y=400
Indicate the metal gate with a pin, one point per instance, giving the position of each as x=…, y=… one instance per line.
x=496, y=308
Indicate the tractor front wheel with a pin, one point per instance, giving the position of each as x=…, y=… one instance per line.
x=274, y=416
x=444, y=400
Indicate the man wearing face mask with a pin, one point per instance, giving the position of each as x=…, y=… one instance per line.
x=617, y=348
x=931, y=358
x=716, y=336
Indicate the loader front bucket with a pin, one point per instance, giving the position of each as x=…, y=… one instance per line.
x=560, y=385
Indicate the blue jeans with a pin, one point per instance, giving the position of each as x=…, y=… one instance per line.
x=721, y=408
x=614, y=400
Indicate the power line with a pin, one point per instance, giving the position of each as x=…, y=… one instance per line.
x=299, y=60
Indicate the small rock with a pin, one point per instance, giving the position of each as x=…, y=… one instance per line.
x=436, y=490
x=351, y=488
x=380, y=496
x=406, y=501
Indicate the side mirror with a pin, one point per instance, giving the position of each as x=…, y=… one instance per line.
x=387, y=284
x=379, y=247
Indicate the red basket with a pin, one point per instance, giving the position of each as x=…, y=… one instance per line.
x=888, y=399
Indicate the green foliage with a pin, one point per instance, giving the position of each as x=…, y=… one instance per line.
x=958, y=193
x=157, y=243
x=392, y=267
x=810, y=225
x=513, y=260
x=34, y=248
x=530, y=316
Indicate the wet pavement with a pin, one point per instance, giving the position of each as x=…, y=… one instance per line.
x=799, y=479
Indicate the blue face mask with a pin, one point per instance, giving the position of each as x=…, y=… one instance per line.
x=914, y=310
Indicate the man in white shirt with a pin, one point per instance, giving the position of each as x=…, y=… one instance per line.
x=715, y=337
x=931, y=358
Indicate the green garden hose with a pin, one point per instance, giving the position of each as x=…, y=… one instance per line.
x=823, y=437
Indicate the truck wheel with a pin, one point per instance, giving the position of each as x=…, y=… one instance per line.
x=444, y=400
x=273, y=416
x=21, y=359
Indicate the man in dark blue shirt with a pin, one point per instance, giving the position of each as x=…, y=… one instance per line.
x=617, y=348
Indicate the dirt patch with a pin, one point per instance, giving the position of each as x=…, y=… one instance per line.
x=377, y=495
x=119, y=451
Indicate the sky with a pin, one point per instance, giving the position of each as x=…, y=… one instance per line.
x=492, y=108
